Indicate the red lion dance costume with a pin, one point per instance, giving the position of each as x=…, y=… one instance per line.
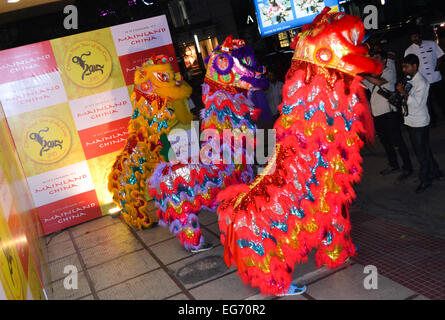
x=300, y=201
x=181, y=190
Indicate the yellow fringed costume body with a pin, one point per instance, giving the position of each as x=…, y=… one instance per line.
x=159, y=101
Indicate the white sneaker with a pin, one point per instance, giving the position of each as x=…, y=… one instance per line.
x=294, y=290
x=204, y=247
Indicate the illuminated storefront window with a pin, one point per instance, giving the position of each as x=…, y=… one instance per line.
x=190, y=57
x=283, y=37
x=189, y=54
x=207, y=46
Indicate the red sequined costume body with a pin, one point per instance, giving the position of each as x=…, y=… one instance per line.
x=300, y=201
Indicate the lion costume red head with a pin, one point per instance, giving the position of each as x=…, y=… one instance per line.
x=300, y=201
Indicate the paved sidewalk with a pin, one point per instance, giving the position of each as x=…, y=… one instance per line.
x=116, y=262
x=402, y=254
x=400, y=233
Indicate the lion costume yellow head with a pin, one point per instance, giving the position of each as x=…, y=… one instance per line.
x=159, y=101
x=157, y=77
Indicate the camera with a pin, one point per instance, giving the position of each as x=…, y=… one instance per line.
x=395, y=98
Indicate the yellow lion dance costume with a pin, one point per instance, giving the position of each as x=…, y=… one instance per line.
x=159, y=101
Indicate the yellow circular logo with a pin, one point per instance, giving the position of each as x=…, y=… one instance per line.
x=88, y=64
x=46, y=140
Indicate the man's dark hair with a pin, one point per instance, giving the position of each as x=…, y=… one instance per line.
x=415, y=30
x=383, y=54
x=411, y=59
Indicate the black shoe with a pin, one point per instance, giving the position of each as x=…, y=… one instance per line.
x=404, y=175
x=422, y=187
x=389, y=170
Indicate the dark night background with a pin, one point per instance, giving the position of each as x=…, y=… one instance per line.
x=218, y=17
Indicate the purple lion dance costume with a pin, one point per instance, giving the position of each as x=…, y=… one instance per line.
x=181, y=190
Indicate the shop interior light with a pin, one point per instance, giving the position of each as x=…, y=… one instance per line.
x=197, y=43
x=13, y=1
x=442, y=24
x=383, y=2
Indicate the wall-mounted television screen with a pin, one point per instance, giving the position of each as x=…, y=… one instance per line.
x=275, y=16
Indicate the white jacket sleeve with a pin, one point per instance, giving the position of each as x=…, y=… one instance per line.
x=437, y=50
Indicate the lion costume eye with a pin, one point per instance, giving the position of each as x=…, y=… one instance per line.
x=353, y=36
x=162, y=76
x=247, y=61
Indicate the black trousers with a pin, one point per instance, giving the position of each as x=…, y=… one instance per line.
x=388, y=129
x=436, y=100
x=420, y=139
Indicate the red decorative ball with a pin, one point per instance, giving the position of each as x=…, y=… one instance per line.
x=227, y=78
x=324, y=55
x=146, y=87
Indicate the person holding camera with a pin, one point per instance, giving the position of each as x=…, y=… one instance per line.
x=430, y=58
x=418, y=121
x=387, y=118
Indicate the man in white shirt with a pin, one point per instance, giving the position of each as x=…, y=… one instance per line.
x=418, y=120
x=430, y=56
x=387, y=119
x=391, y=62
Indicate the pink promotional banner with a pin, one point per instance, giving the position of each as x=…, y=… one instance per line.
x=67, y=103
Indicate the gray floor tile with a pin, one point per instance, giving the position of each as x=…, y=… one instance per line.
x=121, y=269
x=179, y=297
x=154, y=285
x=229, y=287
x=109, y=250
x=214, y=227
x=90, y=297
x=211, y=238
x=259, y=296
x=57, y=267
x=113, y=231
x=60, y=293
x=347, y=284
x=93, y=225
x=60, y=250
x=308, y=272
x=154, y=235
x=302, y=269
x=200, y=267
x=57, y=237
x=172, y=250
x=119, y=292
x=207, y=217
